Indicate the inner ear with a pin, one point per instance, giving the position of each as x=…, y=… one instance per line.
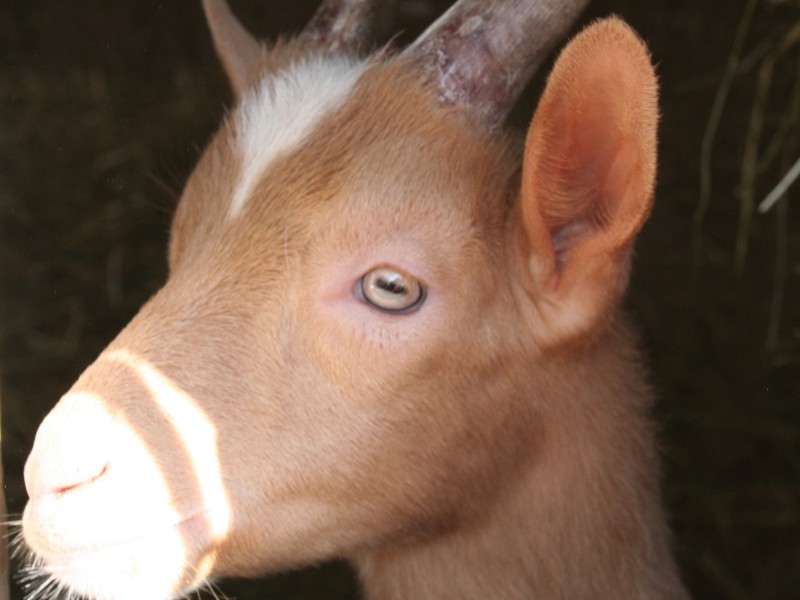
x=589, y=167
x=590, y=153
x=584, y=185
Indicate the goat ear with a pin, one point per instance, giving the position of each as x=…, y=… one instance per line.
x=239, y=51
x=588, y=176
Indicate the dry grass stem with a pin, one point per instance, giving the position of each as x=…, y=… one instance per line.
x=713, y=126
x=751, y=162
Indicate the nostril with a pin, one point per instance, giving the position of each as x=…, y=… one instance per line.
x=63, y=460
x=80, y=481
x=51, y=476
x=57, y=465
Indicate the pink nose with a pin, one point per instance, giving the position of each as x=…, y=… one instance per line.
x=63, y=459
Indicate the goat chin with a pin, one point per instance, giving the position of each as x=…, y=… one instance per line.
x=165, y=560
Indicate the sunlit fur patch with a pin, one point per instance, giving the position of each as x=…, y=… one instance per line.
x=107, y=573
x=280, y=112
x=155, y=547
x=40, y=582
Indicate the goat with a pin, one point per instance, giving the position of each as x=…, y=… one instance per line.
x=391, y=331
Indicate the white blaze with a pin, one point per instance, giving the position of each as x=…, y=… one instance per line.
x=279, y=113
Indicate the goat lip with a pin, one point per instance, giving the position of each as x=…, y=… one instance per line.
x=58, y=548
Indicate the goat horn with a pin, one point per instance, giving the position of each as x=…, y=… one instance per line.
x=346, y=25
x=482, y=54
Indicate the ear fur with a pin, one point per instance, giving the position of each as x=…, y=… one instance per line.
x=239, y=51
x=588, y=176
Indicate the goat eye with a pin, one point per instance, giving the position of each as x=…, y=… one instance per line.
x=391, y=290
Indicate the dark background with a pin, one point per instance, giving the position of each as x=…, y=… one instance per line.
x=104, y=107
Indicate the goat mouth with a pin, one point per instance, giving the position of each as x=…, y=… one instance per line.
x=189, y=527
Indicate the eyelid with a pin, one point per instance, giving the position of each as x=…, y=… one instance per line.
x=358, y=291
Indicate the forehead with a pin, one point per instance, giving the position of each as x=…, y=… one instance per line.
x=327, y=137
x=281, y=111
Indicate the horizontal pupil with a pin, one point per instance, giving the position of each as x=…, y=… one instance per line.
x=394, y=287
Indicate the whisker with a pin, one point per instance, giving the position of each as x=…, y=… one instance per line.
x=55, y=592
x=68, y=595
x=58, y=590
x=16, y=545
x=39, y=591
x=207, y=586
x=26, y=580
x=28, y=574
x=215, y=591
x=10, y=533
x=36, y=581
x=16, y=521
